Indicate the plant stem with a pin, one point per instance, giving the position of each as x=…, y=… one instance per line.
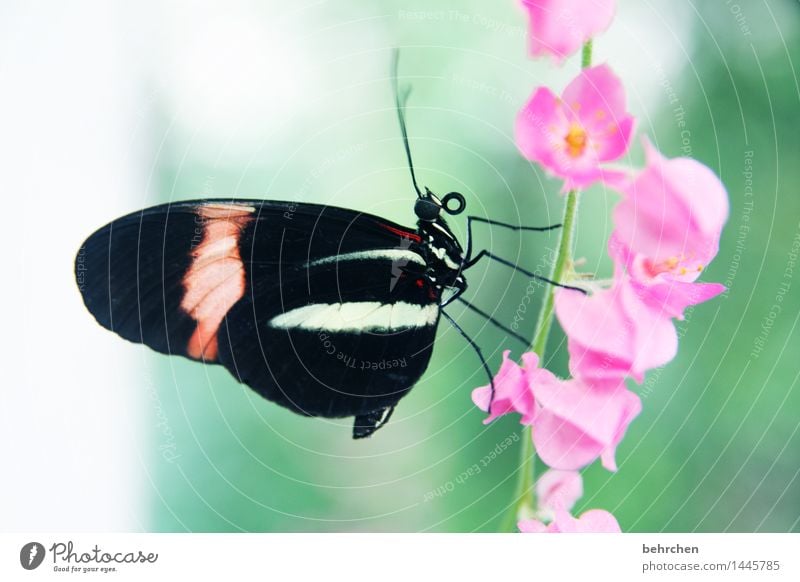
x=523, y=501
x=562, y=261
x=586, y=55
x=525, y=496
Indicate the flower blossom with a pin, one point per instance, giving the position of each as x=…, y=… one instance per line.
x=512, y=393
x=667, y=230
x=560, y=27
x=614, y=333
x=572, y=135
x=574, y=421
x=592, y=521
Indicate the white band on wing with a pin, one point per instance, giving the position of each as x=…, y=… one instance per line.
x=358, y=316
x=399, y=255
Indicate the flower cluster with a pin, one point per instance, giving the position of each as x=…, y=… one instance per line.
x=667, y=228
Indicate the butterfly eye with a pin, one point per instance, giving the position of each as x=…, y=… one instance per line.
x=426, y=209
x=454, y=203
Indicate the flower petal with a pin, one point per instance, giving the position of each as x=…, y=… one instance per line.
x=577, y=421
x=672, y=214
x=598, y=98
x=655, y=337
x=673, y=297
x=613, y=142
x=698, y=186
x=558, y=489
x=595, y=364
x=561, y=444
x=597, y=322
x=539, y=125
x=560, y=27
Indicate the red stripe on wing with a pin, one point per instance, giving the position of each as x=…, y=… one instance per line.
x=215, y=281
x=404, y=233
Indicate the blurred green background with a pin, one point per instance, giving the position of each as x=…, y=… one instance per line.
x=716, y=447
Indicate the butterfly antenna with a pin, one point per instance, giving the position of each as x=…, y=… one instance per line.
x=400, y=98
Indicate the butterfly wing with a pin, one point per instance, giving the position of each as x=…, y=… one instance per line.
x=320, y=309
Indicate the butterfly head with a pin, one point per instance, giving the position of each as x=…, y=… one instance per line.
x=428, y=208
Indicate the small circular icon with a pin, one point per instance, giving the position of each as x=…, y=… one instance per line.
x=31, y=555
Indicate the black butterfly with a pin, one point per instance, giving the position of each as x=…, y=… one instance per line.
x=326, y=311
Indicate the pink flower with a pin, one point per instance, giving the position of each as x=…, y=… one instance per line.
x=667, y=229
x=572, y=135
x=560, y=27
x=615, y=332
x=579, y=421
x=512, y=391
x=592, y=521
x=558, y=490
x=668, y=225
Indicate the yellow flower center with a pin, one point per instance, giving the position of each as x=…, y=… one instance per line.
x=674, y=265
x=576, y=140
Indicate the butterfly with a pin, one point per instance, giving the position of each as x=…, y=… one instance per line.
x=325, y=311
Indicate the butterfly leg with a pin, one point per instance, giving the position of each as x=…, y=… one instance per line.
x=478, y=351
x=366, y=424
x=519, y=269
x=471, y=219
x=493, y=321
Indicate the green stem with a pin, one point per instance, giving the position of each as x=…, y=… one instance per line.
x=525, y=495
x=560, y=266
x=586, y=55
